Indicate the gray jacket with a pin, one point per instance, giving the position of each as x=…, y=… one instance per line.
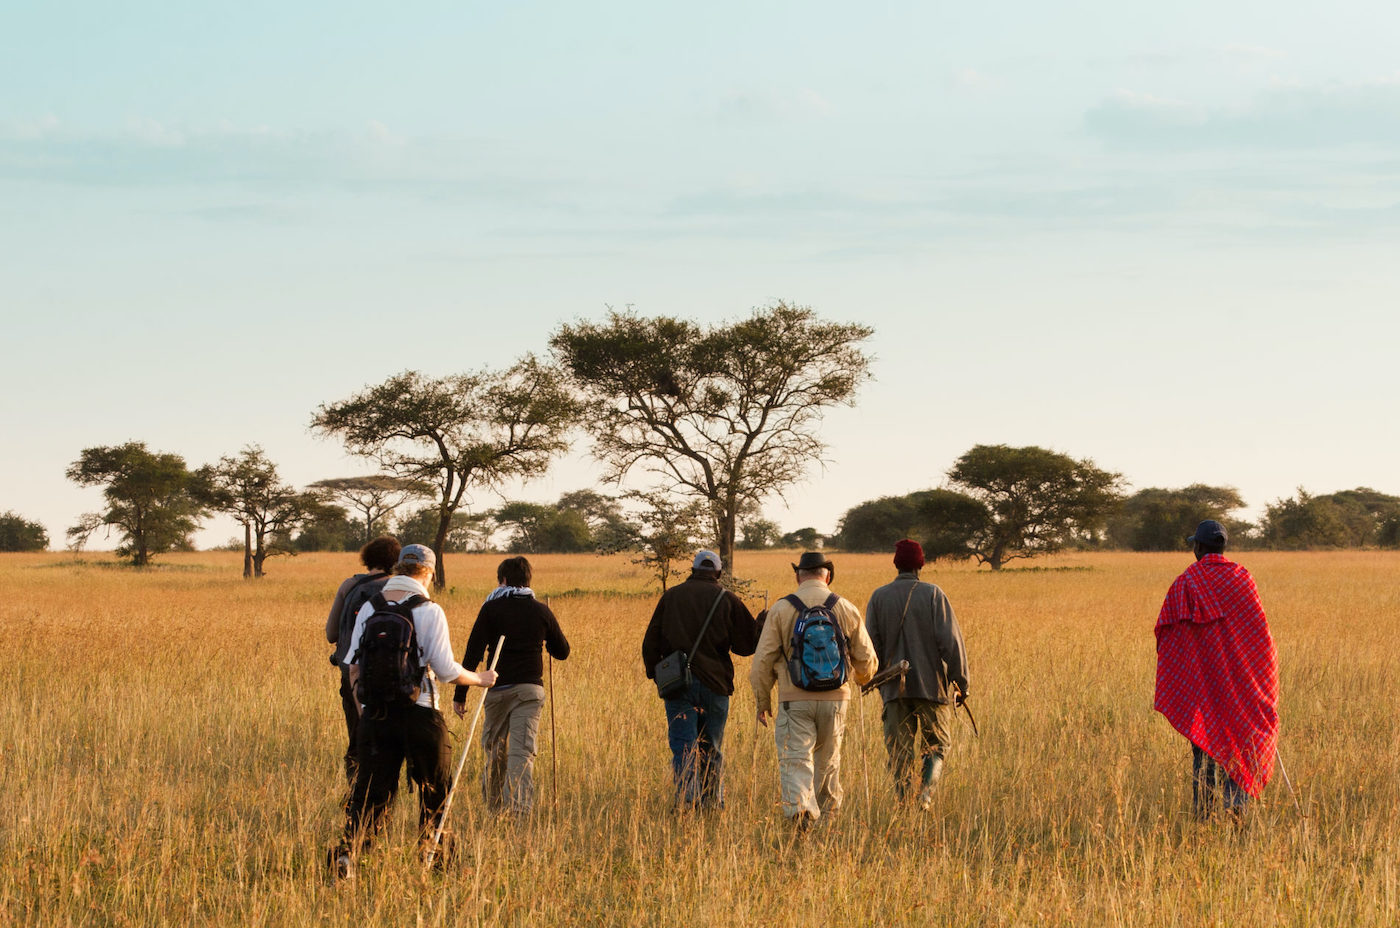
x=932, y=643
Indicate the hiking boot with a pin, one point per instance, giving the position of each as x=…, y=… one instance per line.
x=342, y=865
x=933, y=771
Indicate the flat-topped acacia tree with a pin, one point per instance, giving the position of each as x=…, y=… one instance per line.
x=727, y=413
x=375, y=497
x=451, y=433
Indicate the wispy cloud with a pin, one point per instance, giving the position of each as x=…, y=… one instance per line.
x=771, y=107
x=1285, y=117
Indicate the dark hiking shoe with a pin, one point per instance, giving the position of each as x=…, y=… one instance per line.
x=342, y=865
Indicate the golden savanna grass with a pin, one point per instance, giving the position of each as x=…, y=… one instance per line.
x=171, y=750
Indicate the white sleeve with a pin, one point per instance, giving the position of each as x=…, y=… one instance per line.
x=435, y=641
x=365, y=612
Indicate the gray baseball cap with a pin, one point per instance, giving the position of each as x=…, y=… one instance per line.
x=418, y=555
x=706, y=560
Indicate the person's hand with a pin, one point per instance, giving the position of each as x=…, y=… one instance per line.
x=959, y=697
x=763, y=716
x=460, y=708
x=488, y=678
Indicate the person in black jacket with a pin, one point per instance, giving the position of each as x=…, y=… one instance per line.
x=695, y=720
x=513, y=706
x=379, y=557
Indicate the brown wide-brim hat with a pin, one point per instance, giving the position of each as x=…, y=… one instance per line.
x=813, y=560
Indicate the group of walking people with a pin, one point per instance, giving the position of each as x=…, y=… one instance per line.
x=1217, y=682
x=816, y=647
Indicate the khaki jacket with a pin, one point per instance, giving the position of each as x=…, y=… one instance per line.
x=770, y=659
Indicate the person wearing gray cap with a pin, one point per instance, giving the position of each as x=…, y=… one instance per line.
x=703, y=623
x=399, y=718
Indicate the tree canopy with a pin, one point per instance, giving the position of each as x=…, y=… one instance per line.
x=668, y=530
x=1347, y=519
x=726, y=413
x=943, y=521
x=1156, y=519
x=152, y=498
x=1036, y=500
x=19, y=534
x=374, y=497
x=248, y=488
x=457, y=432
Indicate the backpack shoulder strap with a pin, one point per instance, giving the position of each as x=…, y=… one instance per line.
x=831, y=601
x=797, y=602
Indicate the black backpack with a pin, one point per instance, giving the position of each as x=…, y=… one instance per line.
x=390, y=671
x=364, y=588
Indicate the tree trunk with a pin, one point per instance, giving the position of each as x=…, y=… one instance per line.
x=728, y=523
x=439, y=543
x=259, y=555
x=247, y=550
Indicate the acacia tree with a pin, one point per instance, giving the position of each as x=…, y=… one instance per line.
x=247, y=487
x=1157, y=519
x=667, y=530
x=19, y=534
x=152, y=498
x=375, y=497
x=1035, y=499
x=728, y=413
x=455, y=432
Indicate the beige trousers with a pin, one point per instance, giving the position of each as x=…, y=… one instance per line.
x=808, y=734
x=508, y=737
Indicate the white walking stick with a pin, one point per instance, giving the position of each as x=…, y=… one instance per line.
x=1289, y=780
x=466, y=749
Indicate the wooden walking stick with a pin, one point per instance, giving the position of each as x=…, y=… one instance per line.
x=553, y=752
x=466, y=749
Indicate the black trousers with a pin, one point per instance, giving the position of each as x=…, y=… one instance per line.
x=352, y=724
x=413, y=733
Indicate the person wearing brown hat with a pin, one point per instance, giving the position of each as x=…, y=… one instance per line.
x=811, y=717
x=911, y=620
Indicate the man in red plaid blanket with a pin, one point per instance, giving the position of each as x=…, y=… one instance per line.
x=1217, y=676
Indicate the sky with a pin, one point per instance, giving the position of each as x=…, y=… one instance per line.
x=1158, y=237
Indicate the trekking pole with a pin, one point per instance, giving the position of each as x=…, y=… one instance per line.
x=466, y=749
x=1289, y=780
x=553, y=751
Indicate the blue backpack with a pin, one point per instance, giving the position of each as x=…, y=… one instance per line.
x=818, y=646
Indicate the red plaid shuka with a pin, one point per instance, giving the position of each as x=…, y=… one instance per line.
x=1217, y=669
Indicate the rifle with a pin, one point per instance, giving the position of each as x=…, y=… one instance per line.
x=894, y=671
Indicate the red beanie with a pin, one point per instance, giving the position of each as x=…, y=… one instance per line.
x=908, y=555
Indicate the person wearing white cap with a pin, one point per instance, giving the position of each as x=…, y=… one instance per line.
x=704, y=623
x=399, y=718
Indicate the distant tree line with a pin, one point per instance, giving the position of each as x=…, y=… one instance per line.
x=718, y=419
x=1001, y=503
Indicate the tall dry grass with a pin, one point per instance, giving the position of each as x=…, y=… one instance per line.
x=171, y=742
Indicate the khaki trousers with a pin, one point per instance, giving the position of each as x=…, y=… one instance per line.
x=808, y=735
x=508, y=737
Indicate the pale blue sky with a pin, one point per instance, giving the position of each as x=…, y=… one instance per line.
x=1160, y=237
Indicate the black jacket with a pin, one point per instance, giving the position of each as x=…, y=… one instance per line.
x=677, y=620
x=527, y=624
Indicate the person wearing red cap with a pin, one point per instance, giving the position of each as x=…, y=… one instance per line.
x=911, y=620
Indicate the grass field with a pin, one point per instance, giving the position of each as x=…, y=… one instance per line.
x=170, y=746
